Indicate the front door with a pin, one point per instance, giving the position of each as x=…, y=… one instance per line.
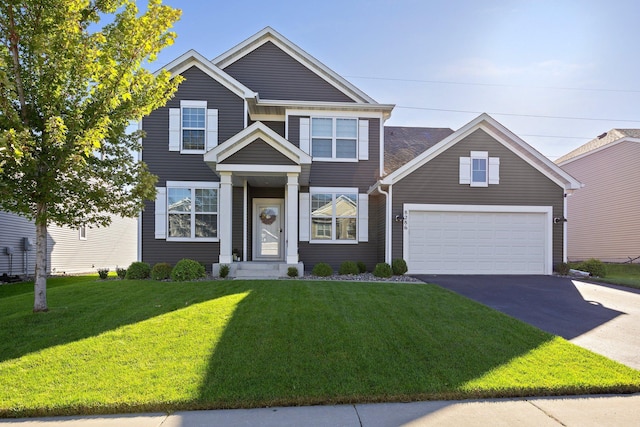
x=268, y=229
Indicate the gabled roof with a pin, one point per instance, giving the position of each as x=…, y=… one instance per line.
x=614, y=136
x=500, y=134
x=268, y=34
x=192, y=58
x=403, y=144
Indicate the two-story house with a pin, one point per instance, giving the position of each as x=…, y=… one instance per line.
x=265, y=154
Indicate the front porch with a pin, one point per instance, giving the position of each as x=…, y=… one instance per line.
x=258, y=269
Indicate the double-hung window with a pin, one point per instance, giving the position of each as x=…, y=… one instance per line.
x=334, y=138
x=192, y=211
x=334, y=215
x=193, y=128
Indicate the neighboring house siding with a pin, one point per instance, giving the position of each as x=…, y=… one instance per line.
x=258, y=153
x=176, y=167
x=106, y=247
x=437, y=183
x=603, y=216
x=276, y=75
x=13, y=229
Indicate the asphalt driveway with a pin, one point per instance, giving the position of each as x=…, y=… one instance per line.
x=602, y=318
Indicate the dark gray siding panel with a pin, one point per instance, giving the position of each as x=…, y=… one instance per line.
x=362, y=174
x=258, y=153
x=277, y=127
x=276, y=75
x=380, y=209
x=437, y=183
x=334, y=254
x=237, y=217
x=172, y=165
x=294, y=130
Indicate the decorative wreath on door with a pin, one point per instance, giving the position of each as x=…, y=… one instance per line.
x=267, y=216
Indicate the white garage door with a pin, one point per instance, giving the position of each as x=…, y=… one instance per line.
x=472, y=242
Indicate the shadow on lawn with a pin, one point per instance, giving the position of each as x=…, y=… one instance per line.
x=550, y=303
x=81, y=307
x=322, y=342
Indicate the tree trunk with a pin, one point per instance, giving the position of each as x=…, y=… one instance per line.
x=40, y=287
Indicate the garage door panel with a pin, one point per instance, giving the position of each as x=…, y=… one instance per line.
x=443, y=242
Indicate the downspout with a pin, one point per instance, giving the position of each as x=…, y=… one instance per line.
x=387, y=228
x=564, y=228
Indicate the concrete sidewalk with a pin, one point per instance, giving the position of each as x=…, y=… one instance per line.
x=584, y=411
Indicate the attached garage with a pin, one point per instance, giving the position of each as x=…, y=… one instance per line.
x=478, y=239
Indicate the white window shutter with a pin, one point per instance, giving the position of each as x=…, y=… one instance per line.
x=161, y=213
x=304, y=217
x=363, y=217
x=363, y=139
x=494, y=170
x=465, y=170
x=212, y=128
x=305, y=135
x=174, y=129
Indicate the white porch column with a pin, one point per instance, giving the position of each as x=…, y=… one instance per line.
x=292, y=218
x=224, y=229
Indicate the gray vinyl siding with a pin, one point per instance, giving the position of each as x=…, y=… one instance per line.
x=237, y=217
x=258, y=153
x=275, y=75
x=172, y=166
x=13, y=229
x=381, y=224
x=334, y=254
x=437, y=183
x=277, y=127
x=294, y=130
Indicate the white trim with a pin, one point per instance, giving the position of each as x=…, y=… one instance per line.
x=363, y=140
x=160, y=213
x=381, y=148
x=191, y=184
x=188, y=185
x=304, y=217
x=333, y=110
x=479, y=155
x=225, y=218
x=256, y=227
x=494, y=170
x=362, y=224
x=175, y=116
x=546, y=210
x=353, y=190
x=291, y=217
x=334, y=191
x=211, y=134
x=259, y=168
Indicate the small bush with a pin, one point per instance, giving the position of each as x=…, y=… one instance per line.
x=399, y=266
x=595, y=267
x=186, y=270
x=383, y=270
x=103, y=273
x=292, y=272
x=121, y=272
x=161, y=271
x=138, y=270
x=322, y=269
x=348, y=267
x=224, y=271
x=562, y=268
x=362, y=267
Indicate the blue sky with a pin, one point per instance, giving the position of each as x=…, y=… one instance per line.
x=443, y=62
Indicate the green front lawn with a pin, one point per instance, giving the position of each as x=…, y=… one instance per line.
x=619, y=274
x=133, y=346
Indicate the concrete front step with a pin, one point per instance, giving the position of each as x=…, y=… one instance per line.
x=259, y=270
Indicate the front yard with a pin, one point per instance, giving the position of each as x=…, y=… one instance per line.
x=134, y=346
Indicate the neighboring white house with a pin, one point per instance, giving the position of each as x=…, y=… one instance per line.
x=70, y=250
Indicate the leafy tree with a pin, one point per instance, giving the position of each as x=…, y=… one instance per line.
x=69, y=87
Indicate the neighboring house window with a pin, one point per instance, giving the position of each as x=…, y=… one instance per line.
x=334, y=138
x=82, y=232
x=193, y=128
x=479, y=170
x=192, y=211
x=334, y=215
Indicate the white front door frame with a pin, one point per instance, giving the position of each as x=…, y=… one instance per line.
x=264, y=232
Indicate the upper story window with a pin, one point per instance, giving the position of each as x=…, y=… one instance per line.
x=193, y=128
x=479, y=170
x=192, y=211
x=334, y=138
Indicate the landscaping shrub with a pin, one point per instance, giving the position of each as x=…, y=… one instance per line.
x=399, y=266
x=187, y=269
x=595, y=267
x=121, y=272
x=349, y=267
x=322, y=269
x=103, y=273
x=138, y=270
x=562, y=268
x=224, y=271
x=292, y=272
x=383, y=270
x=362, y=267
x=161, y=271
